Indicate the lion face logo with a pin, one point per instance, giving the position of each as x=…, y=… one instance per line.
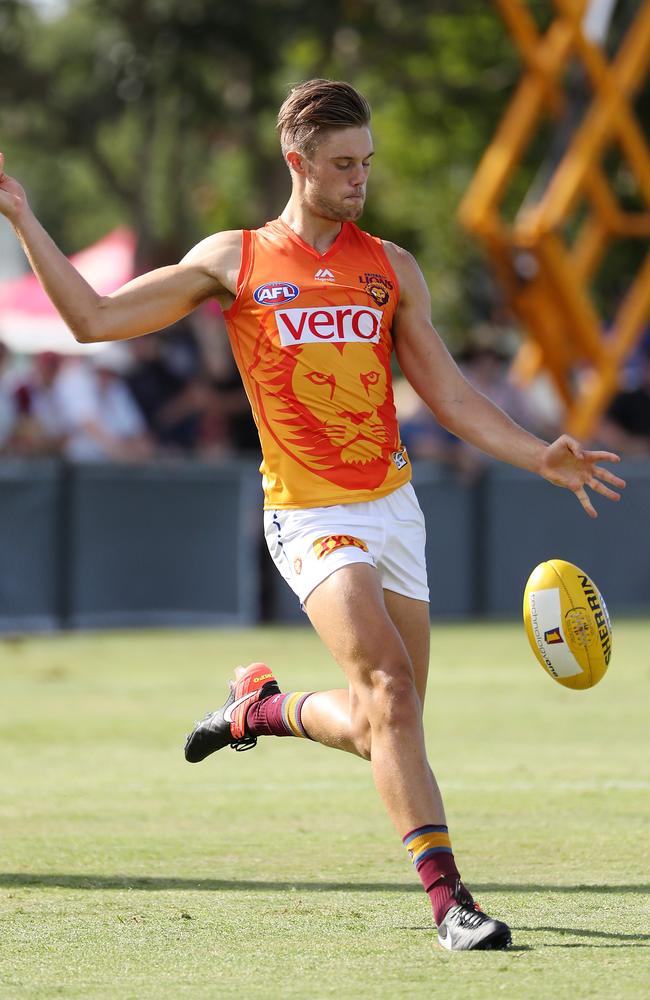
x=344, y=390
x=380, y=294
x=330, y=407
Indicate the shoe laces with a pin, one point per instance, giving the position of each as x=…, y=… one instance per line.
x=246, y=743
x=465, y=917
x=463, y=896
x=469, y=913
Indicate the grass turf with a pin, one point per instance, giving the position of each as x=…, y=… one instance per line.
x=128, y=873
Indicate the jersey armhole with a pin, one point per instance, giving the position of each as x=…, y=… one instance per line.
x=245, y=269
x=391, y=270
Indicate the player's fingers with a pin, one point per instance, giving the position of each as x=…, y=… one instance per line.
x=585, y=502
x=603, y=490
x=602, y=456
x=609, y=477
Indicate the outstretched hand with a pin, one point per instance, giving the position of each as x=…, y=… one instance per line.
x=566, y=463
x=12, y=195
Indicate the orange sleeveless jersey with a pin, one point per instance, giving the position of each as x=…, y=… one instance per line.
x=311, y=335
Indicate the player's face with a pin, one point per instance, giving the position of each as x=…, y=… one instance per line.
x=337, y=172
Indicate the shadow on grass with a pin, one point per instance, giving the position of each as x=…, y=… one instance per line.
x=625, y=940
x=595, y=939
x=162, y=884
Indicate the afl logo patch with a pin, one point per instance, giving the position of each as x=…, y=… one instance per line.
x=275, y=293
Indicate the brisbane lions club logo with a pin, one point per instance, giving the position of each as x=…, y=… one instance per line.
x=378, y=287
x=323, y=391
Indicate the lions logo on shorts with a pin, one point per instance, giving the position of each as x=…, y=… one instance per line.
x=329, y=543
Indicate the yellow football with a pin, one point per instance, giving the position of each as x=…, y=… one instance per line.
x=567, y=624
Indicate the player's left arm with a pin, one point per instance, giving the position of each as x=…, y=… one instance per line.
x=467, y=413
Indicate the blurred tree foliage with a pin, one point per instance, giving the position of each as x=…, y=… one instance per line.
x=161, y=114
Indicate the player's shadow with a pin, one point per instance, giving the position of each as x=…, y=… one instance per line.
x=595, y=939
x=163, y=883
x=92, y=882
x=640, y=887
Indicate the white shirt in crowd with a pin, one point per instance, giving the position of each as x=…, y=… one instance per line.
x=81, y=396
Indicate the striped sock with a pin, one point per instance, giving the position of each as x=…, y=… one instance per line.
x=431, y=853
x=279, y=715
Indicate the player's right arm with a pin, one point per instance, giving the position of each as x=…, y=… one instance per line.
x=149, y=302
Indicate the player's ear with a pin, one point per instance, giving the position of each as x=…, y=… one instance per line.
x=296, y=162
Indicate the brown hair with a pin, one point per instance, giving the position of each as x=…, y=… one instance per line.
x=316, y=106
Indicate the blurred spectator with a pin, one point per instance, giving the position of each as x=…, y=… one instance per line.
x=166, y=383
x=626, y=427
x=174, y=392
x=39, y=430
x=227, y=425
x=96, y=412
x=8, y=411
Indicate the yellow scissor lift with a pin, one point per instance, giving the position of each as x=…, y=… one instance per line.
x=546, y=278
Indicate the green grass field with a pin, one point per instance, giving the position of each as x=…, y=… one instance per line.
x=127, y=873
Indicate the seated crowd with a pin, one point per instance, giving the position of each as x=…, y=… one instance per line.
x=172, y=394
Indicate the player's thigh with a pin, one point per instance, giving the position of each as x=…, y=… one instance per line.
x=349, y=613
x=411, y=619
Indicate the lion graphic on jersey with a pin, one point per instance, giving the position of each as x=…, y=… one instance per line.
x=330, y=407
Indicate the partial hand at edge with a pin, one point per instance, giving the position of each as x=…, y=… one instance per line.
x=12, y=196
x=566, y=463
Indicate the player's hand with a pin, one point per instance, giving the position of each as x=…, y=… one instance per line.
x=566, y=463
x=12, y=196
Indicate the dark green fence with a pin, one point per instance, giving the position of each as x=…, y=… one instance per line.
x=105, y=546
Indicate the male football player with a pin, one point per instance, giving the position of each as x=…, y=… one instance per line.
x=314, y=309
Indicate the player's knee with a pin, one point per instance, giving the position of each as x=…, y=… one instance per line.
x=392, y=699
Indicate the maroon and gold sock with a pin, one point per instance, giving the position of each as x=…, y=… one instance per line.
x=430, y=851
x=279, y=715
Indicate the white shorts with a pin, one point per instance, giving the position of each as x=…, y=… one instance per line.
x=310, y=544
